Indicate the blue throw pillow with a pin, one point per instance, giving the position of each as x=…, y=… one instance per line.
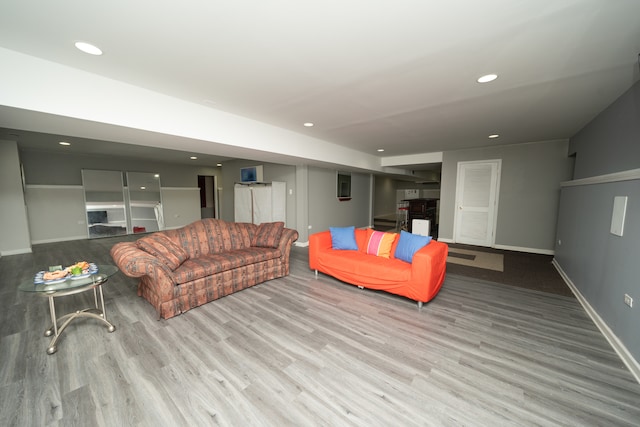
x=343, y=238
x=409, y=244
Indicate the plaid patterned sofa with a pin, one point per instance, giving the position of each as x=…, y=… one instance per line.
x=184, y=268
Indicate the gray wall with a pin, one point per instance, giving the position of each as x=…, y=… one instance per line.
x=40, y=168
x=55, y=198
x=315, y=206
x=529, y=192
x=325, y=210
x=603, y=267
x=46, y=183
x=14, y=229
x=610, y=142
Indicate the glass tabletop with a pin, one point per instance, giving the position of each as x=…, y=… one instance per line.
x=70, y=282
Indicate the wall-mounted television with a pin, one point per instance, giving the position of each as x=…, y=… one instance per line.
x=251, y=174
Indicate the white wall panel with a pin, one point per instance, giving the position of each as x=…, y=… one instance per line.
x=56, y=213
x=181, y=206
x=14, y=230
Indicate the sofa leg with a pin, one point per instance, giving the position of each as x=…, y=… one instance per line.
x=360, y=287
x=316, y=274
x=419, y=304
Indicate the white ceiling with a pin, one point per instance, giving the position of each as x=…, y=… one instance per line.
x=399, y=75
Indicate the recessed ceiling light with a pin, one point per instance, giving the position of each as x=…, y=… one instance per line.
x=219, y=165
x=156, y=175
x=88, y=48
x=380, y=150
x=308, y=124
x=495, y=135
x=193, y=158
x=143, y=188
x=64, y=143
x=488, y=78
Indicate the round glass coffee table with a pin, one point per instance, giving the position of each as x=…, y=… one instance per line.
x=69, y=286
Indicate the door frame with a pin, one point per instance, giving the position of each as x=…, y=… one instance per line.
x=495, y=189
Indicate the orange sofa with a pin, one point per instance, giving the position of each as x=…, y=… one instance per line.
x=419, y=280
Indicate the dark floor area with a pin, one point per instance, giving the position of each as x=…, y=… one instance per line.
x=525, y=270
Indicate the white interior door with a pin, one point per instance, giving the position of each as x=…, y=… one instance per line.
x=477, y=202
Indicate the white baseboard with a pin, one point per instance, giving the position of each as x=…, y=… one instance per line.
x=301, y=244
x=615, y=342
x=528, y=250
x=15, y=252
x=59, y=239
x=510, y=248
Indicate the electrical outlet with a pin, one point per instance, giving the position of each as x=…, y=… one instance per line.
x=628, y=300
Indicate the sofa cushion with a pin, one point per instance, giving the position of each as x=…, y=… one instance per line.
x=343, y=238
x=164, y=249
x=223, y=236
x=192, y=238
x=207, y=265
x=268, y=235
x=361, y=239
x=211, y=236
x=380, y=243
x=409, y=244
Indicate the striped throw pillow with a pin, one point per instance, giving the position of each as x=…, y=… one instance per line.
x=380, y=243
x=268, y=235
x=163, y=248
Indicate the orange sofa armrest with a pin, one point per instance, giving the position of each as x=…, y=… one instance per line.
x=318, y=242
x=429, y=264
x=431, y=256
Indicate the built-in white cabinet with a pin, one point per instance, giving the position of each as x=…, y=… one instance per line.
x=260, y=202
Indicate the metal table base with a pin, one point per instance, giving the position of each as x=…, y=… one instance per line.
x=97, y=312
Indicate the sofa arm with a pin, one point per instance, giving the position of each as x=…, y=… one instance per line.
x=134, y=262
x=428, y=268
x=289, y=236
x=318, y=242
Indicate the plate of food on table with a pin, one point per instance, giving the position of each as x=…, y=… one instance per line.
x=79, y=270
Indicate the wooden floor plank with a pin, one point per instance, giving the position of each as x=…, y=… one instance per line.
x=302, y=350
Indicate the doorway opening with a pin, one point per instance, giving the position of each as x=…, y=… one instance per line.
x=208, y=196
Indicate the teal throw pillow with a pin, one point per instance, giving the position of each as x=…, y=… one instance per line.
x=343, y=238
x=409, y=244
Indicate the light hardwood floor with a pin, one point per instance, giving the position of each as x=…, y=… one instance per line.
x=301, y=351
